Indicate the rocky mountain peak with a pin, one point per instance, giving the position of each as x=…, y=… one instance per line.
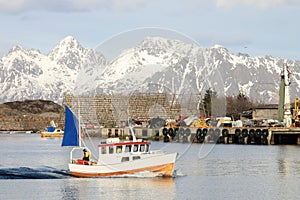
x=166, y=63
x=68, y=52
x=155, y=45
x=66, y=46
x=68, y=43
x=28, y=74
x=16, y=48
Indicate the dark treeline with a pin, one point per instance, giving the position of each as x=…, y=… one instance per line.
x=231, y=106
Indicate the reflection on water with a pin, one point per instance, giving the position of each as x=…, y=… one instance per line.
x=204, y=172
x=118, y=188
x=282, y=166
x=69, y=190
x=288, y=163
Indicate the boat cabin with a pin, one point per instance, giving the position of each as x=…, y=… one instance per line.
x=114, y=151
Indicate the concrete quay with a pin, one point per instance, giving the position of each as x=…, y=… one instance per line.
x=222, y=135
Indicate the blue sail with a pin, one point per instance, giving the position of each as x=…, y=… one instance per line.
x=71, y=132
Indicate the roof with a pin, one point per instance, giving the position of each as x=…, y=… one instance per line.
x=267, y=106
x=123, y=143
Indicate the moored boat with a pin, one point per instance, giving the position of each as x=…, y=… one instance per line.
x=52, y=131
x=115, y=157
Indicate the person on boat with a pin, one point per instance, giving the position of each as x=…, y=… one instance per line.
x=119, y=149
x=86, y=155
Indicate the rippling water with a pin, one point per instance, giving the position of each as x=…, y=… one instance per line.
x=36, y=168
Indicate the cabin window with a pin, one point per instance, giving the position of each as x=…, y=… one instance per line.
x=124, y=159
x=142, y=148
x=119, y=149
x=111, y=150
x=135, y=148
x=103, y=150
x=146, y=147
x=128, y=148
x=136, y=157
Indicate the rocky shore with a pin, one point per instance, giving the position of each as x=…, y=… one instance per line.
x=29, y=116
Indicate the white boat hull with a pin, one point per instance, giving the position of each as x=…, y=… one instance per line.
x=160, y=163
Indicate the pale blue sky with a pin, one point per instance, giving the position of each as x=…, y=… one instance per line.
x=256, y=27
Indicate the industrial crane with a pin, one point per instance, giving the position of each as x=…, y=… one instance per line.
x=284, y=109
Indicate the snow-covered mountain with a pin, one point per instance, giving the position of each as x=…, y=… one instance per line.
x=155, y=64
x=174, y=66
x=28, y=74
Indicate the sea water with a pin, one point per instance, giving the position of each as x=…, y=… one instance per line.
x=36, y=168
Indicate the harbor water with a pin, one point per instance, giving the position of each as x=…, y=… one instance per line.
x=36, y=168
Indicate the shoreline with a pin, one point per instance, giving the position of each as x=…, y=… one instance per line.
x=18, y=132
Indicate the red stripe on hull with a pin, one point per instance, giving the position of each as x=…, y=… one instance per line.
x=166, y=170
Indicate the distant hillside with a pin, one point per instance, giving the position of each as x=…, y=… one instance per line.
x=32, y=115
x=35, y=106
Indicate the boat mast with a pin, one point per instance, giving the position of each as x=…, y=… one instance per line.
x=130, y=124
x=132, y=133
x=79, y=126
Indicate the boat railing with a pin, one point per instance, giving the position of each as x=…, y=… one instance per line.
x=72, y=159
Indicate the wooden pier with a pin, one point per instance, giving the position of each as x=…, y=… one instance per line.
x=285, y=136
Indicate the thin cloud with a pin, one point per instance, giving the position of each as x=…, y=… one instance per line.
x=13, y=6
x=18, y=6
x=119, y=5
x=258, y=3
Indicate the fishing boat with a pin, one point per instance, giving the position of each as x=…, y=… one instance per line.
x=115, y=157
x=52, y=131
